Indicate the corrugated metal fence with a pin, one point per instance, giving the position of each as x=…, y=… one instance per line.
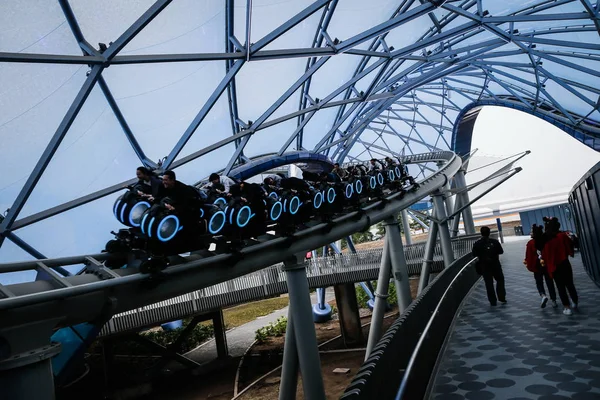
x=269, y=282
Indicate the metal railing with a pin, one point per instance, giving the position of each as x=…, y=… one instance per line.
x=269, y=282
x=100, y=291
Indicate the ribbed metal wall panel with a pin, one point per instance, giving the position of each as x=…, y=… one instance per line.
x=585, y=203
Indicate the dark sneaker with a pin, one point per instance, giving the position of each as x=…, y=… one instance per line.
x=544, y=302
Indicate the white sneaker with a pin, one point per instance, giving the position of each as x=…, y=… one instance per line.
x=567, y=311
x=554, y=304
x=544, y=302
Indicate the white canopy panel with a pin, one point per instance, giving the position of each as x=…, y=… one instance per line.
x=91, y=90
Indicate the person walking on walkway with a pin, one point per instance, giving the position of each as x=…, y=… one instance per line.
x=488, y=250
x=557, y=249
x=533, y=263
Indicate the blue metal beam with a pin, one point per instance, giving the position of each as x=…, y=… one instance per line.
x=314, y=68
x=230, y=48
x=202, y=113
x=136, y=28
x=124, y=125
x=286, y=26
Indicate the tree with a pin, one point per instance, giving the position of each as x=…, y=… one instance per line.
x=381, y=228
x=358, y=237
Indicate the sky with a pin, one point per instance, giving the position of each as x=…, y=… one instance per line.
x=557, y=161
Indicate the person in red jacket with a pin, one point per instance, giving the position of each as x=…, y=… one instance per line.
x=533, y=263
x=557, y=249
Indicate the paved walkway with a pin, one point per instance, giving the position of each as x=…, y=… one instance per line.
x=520, y=351
x=240, y=338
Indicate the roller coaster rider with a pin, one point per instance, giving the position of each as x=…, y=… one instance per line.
x=375, y=165
x=178, y=196
x=341, y=172
x=149, y=185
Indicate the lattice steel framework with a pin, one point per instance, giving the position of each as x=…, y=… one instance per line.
x=409, y=88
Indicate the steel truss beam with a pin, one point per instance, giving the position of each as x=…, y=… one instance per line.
x=446, y=59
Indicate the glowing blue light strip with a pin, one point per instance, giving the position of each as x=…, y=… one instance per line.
x=116, y=207
x=359, y=186
x=250, y=215
x=122, y=219
x=279, y=207
x=351, y=188
x=143, y=221
x=329, y=198
x=215, y=231
x=141, y=203
x=159, y=235
x=150, y=227
x=292, y=205
x=319, y=202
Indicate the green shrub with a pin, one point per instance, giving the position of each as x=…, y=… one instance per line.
x=200, y=334
x=362, y=297
x=274, y=329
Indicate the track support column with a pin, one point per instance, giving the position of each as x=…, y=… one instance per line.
x=220, y=334
x=440, y=215
x=461, y=183
x=347, y=304
x=381, y=295
x=289, y=368
x=25, y=362
x=428, y=254
x=345, y=298
x=303, y=328
x=398, y=260
x=406, y=227
x=456, y=219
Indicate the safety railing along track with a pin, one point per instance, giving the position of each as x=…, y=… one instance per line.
x=269, y=282
x=75, y=299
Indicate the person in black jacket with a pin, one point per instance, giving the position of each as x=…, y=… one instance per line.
x=178, y=196
x=149, y=186
x=488, y=250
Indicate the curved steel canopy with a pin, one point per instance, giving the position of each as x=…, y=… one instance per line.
x=375, y=79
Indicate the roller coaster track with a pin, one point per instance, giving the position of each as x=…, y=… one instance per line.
x=322, y=272
x=65, y=301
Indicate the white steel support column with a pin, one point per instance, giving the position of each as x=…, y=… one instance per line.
x=399, y=266
x=381, y=295
x=406, y=227
x=440, y=215
x=467, y=215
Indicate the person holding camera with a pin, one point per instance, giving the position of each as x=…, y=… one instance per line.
x=488, y=251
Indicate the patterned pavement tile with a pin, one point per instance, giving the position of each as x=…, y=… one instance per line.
x=519, y=351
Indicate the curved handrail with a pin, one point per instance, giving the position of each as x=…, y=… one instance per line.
x=424, y=334
x=88, y=294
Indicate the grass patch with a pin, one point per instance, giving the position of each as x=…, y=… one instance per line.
x=245, y=313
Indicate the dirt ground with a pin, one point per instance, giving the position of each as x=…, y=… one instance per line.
x=219, y=384
x=267, y=356
x=335, y=383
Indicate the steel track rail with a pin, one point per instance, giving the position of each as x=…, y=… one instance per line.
x=86, y=296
